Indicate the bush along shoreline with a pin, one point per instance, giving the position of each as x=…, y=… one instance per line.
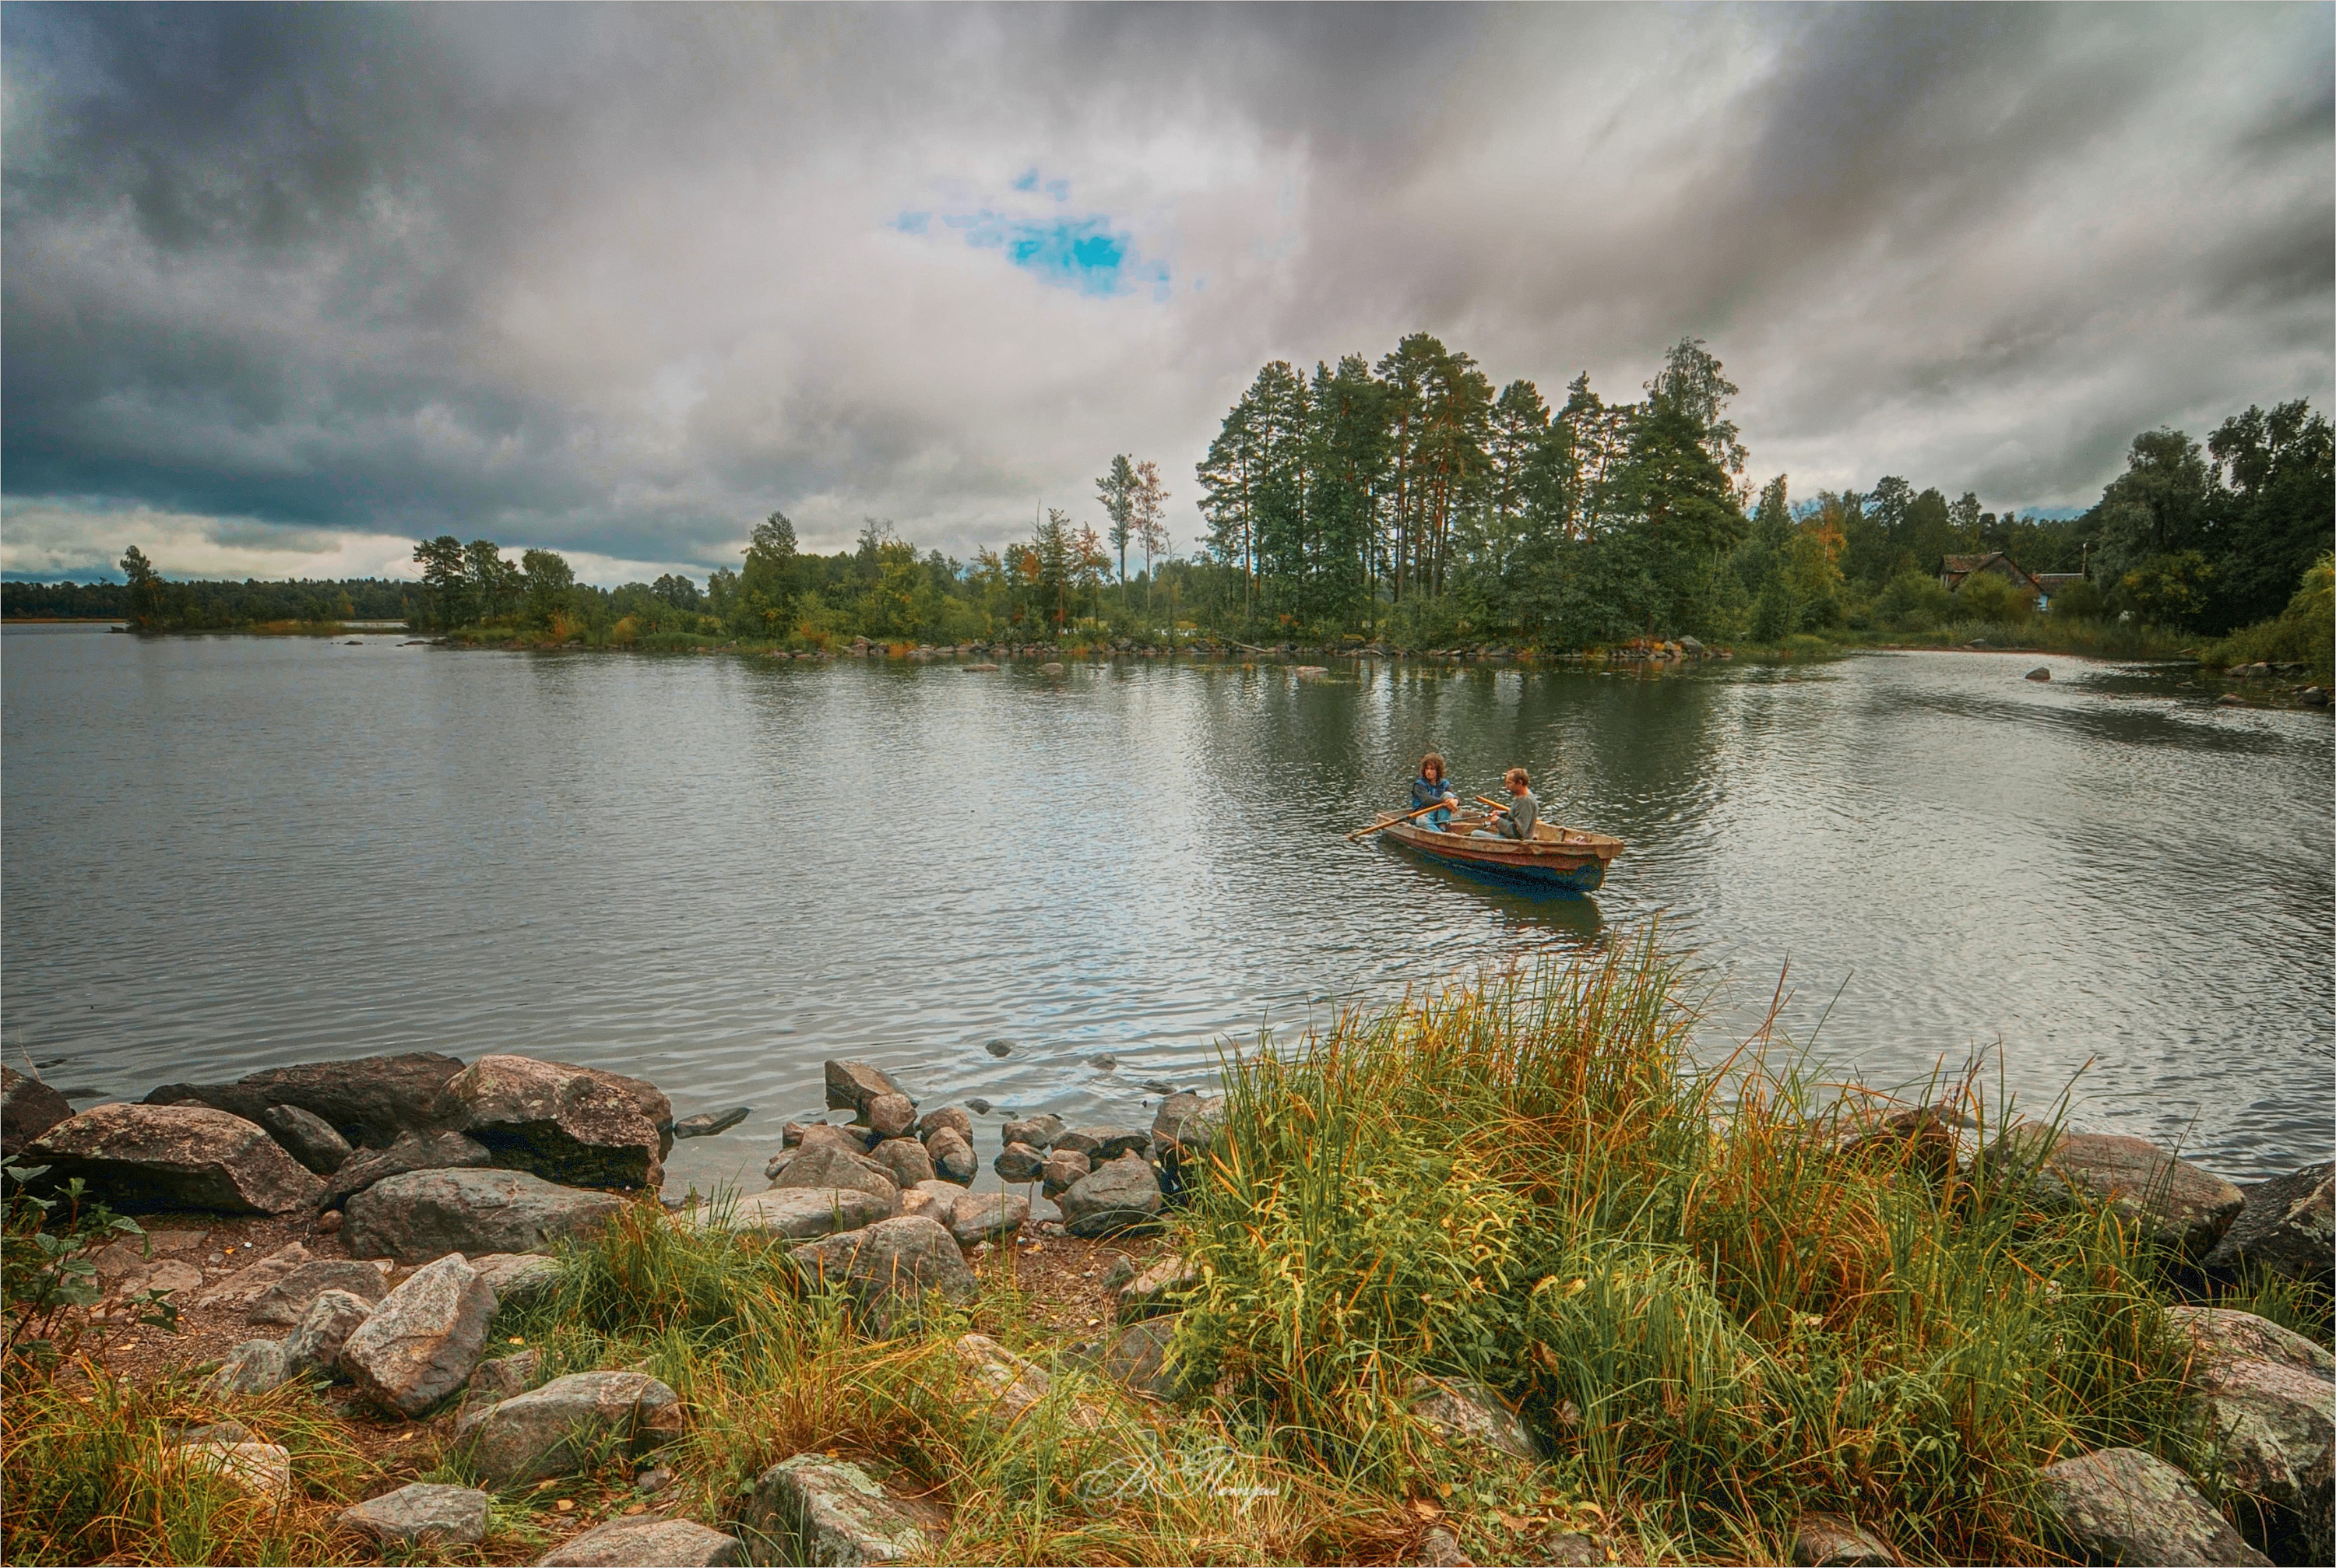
x=1498, y=1273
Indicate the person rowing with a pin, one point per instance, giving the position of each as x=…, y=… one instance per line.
x=1516, y=820
x=1429, y=788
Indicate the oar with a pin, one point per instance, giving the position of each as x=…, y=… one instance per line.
x=1390, y=821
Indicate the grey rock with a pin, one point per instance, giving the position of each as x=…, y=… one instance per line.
x=800, y=1212
x=421, y=1343
x=316, y=1342
x=707, y=1123
x=427, y=1214
x=2220, y=1334
x=851, y=1085
x=240, y=1290
x=987, y=1217
x=790, y=1135
x=979, y=1107
x=1158, y=1290
x=2040, y=673
x=1936, y=1141
x=28, y=1107
x=169, y=1276
x=935, y=1199
x=1018, y=1163
x=647, y=1542
x=577, y=1125
x=1830, y=1540
x=2266, y=1399
x=2123, y=1506
x=813, y=1509
x=218, y=1432
x=1008, y=1387
x=1064, y=1167
x=891, y=1115
x=287, y=1301
x=2144, y=1185
x=906, y=1159
x=823, y=1166
x=437, y=1150
x=891, y=1260
x=262, y=1470
x=998, y=1047
x=456, y=1515
x=516, y=1277
x=503, y=1377
x=823, y=1135
x=1138, y=1356
x=1468, y=1412
x=1188, y=1119
x=947, y=1117
x=555, y=1430
x=953, y=1157
x=254, y=1367
x=145, y=1157
x=307, y=1137
x=1123, y=1195
x=1039, y=1131
x=2288, y=1226
x=370, y=1100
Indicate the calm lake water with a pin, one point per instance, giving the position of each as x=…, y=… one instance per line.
x=222, y=854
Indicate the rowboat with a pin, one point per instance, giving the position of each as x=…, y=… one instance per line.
x=1560, y=859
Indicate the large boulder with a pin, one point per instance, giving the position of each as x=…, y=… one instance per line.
x=853, y=1086
x=2265, y=1398
x=2123, y=1506
x=897, y=1259
x=2146, y=1188
x=455, y=1515
x=1467, y=1413
x=555, y=1430
x=240, y=1290
x=1018, y=1163
x=905, y=1159
x=287, y=1300
x=421, y=1343
x=316, y=1341
x=953, y=1156
x=1104, y=1144
x=823, y=1166
x=1063, y=1170
x=815, y=1509
x=427, y=1214
x=1121, y=1195
x=951, y=1116
x=307, y=1137
x=146, y=1157
x=254, y=1367
x=1039, y=1131
x=649, y=1539
x=516, y=1276
x=978, y=1217
x=28, y=1107
x=2288, y=1226
x=891, y=1115
x=440, y=1151
x=1188, y=1120
x=370, y=1100
x=799, y=1212
x=577, y=1125
x=1138, y=1355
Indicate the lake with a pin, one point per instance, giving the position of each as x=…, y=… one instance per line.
x=224, y=853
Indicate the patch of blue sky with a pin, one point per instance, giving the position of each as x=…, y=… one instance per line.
x=1086, y=254
x=914, y=222
x=1060, y=190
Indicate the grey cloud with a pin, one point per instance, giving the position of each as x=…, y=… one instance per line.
x=619, y=279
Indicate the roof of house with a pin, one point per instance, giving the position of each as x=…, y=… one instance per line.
x=1960, y=566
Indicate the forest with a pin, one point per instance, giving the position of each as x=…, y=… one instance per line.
x=1410, y=502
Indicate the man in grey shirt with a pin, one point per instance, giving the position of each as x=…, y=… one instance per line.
x=1516, y=820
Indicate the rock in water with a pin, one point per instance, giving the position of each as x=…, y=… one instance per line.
x=2123, y=1506
x=2147, y=1187
x=307, y=1137
x=893, y=1259
x=28, y=1107
x=707, y=1123
x=891, y=1115
x=412, y=1152
x=315, y=1343
x=906, y=1159
x=1063, y=1168
x=1466, y=1412
x=564, y=1123
x=370, y=1100
x=422, y=1512
x=1123, y=1195
x=1187, y=1119
x=427, y=1214
x=286, y=1300
x=1039, y=1131
x=953, y=1157
x=145, y=1157
x=1019, y=1162
x=851, y=1085
x=800, y=1212
x=2288, y=1226
x=2040, y=673
x=555, y=1430
x=824, y=1166
x=630, y=1542
x=422, y=1340
x=978, y=1217
x=951, y=1116
x=815, y=1509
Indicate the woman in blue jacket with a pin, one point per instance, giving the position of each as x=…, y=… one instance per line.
x=1430, y=787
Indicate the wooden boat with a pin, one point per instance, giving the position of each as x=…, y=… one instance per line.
x=1567, y=860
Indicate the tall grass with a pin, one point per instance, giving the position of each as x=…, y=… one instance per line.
x=1675, y=1272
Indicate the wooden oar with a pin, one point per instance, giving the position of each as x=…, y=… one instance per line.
x=1390, y=821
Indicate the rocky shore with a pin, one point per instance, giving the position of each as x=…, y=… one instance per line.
x=447, y=1185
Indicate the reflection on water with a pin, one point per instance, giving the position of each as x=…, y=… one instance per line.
x=226, y=854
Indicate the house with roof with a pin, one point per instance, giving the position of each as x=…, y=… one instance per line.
x=2040, y=585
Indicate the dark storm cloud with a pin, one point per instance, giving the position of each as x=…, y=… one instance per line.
x=620, y=280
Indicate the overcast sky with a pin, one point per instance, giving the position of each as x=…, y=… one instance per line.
x=285, y=289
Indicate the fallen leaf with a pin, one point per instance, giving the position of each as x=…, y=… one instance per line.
x=637, y=1508
x=1512, y=1520
x=564, y=1503
x=1426, y=1509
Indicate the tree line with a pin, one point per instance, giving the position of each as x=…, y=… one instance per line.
x=148, y=599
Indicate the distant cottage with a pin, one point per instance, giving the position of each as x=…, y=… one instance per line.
x=2040, y=585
